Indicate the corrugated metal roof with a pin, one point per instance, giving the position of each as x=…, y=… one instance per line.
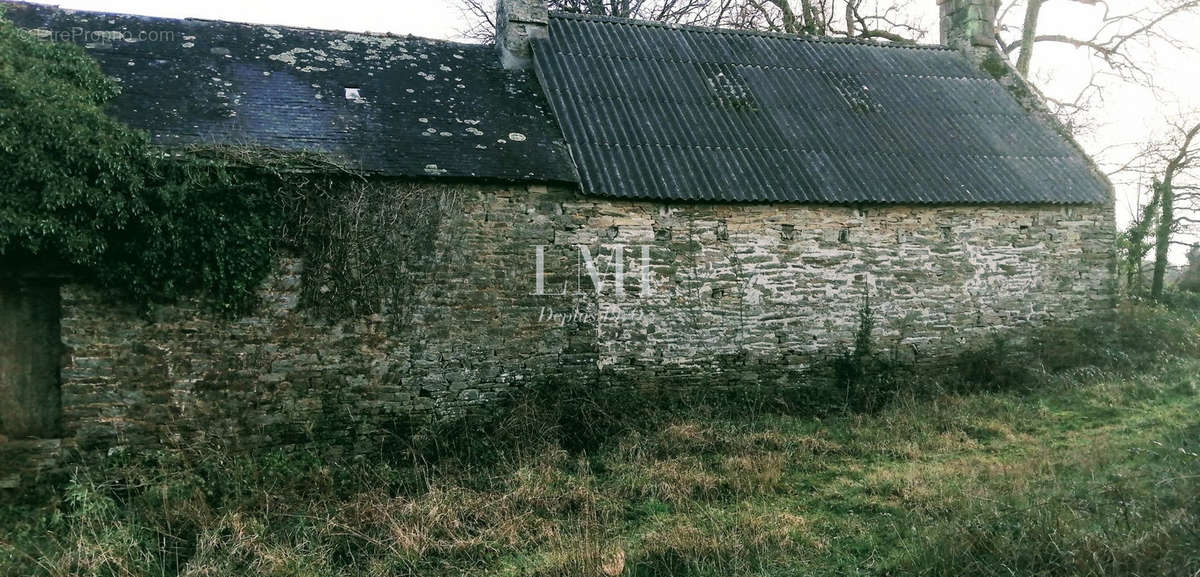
x=685, y=113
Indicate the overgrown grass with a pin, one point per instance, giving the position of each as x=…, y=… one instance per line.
x=1086, y=467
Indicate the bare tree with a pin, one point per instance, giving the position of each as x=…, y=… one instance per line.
x=1117, y=45
x=888, y=20
x=480, y=16
x=733, y=13
x=1179, y=167
x=1137, y=241
x=1164, y=211
x=1110, y=40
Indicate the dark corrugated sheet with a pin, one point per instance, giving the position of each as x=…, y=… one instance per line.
x=666, y=112
x=428, y=107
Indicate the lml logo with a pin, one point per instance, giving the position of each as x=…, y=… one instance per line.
x=586, y=266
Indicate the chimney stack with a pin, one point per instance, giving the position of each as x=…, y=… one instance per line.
x=969, y=24
x=517, y=21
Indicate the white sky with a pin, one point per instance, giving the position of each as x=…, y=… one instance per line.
x=428, y=18
x=1128, y=117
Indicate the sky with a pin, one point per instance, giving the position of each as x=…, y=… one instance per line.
x=428, y=18
x=1126, y=119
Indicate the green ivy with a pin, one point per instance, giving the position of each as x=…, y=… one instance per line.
x=208, y=230
x=995, y=65
x=85, y=197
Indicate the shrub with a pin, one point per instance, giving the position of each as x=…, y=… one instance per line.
x=1183, y=302
x=577, y=415
x=997, y=365
x=1135, y=337
x=88, y=197
x=866, y=380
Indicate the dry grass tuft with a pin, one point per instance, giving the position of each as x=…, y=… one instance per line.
x=758, y=474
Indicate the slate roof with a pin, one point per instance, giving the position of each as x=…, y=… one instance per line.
x=428, y=108
x=682, y=113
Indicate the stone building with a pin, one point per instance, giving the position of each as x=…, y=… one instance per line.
x=610, y=200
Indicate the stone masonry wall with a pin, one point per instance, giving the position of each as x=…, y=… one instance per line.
x=739, y=293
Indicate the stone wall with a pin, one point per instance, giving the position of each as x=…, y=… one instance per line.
x=738, y=293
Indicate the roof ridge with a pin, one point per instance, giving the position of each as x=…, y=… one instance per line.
x=56, y=8
x=739, y=32
x=904, y=153
x=976, y=78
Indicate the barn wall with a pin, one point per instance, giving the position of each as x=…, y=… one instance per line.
x=739, y=293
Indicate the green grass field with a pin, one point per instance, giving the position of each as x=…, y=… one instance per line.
x=1088, y=474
